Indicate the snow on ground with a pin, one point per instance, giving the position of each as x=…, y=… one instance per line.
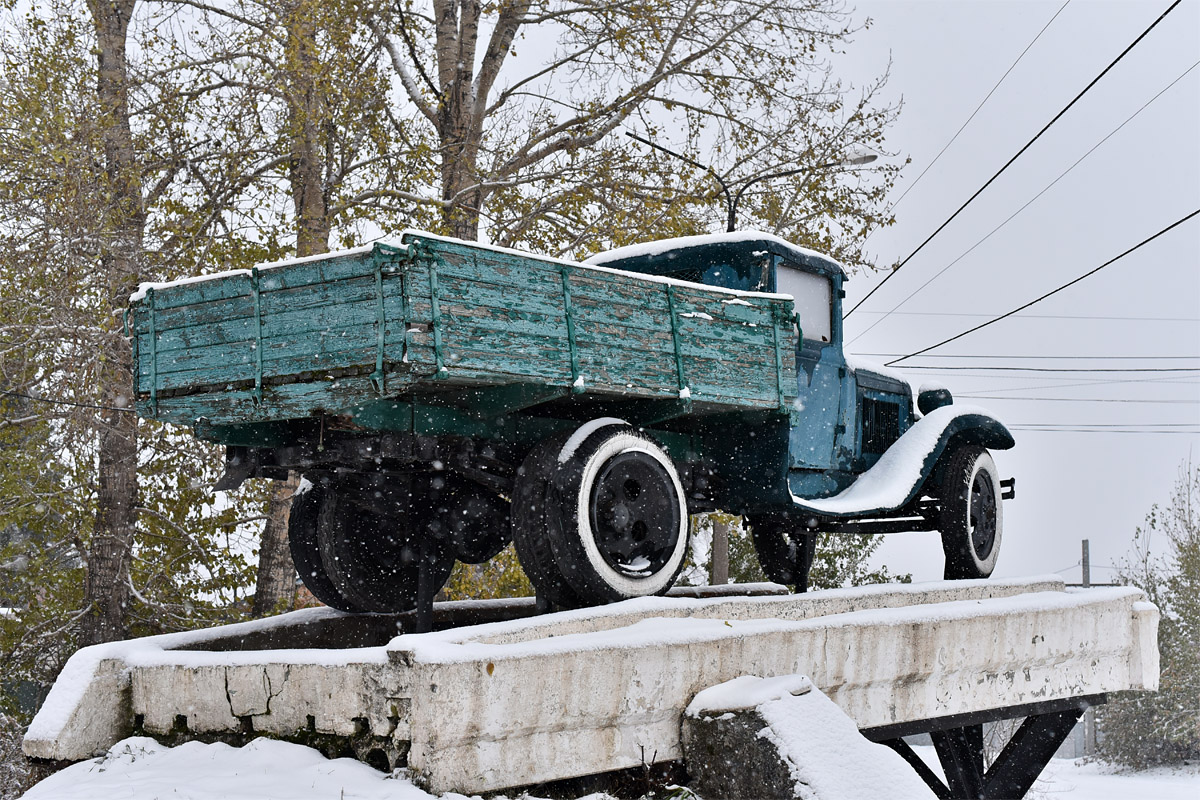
x=142, y=769
x=1083, y=780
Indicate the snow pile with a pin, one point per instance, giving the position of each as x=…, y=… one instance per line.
x=856, y=364
x=141, y=769
x=747, y=691
x=826, y=755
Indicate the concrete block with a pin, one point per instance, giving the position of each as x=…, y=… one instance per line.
x=781, y=739
x=87, y=722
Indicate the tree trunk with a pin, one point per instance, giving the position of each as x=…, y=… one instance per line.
x=457, y=30
x=107, y=583
x=275, y=587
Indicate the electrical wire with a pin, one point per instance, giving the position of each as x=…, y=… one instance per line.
x=940, y=368
x=1034, y=316
x=1020, y=152
x=1078, y=400
x=1051, y=293
x=1094, y=431
x=1037, y=357
x=65, y=402
x=945, y=147
x=1027, y=204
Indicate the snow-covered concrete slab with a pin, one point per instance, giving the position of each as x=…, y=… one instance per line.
x=781, y=738
x=519, y=702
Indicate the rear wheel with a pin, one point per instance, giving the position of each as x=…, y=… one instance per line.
x=784, y=553
x=374, y=537
x=600, y=516
x=306, y=554
x=972, y=514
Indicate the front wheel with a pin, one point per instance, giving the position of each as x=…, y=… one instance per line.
x=600, y=516
x=785, y=552
x=972, y=515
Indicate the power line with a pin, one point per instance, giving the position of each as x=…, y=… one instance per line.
x=939, y=368
x=1078, y=399
x=1035, y=316
x=1051, y=293
x=973, y=113
x=1093, y=431
x=1027, y=204
x=1106, y=425
x=1029, y=144
x=1168, y=381
x=1037, y=357
x=65, y=402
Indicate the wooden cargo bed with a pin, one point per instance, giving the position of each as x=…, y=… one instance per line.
x=435, y=316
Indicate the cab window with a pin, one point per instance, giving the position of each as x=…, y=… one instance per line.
x=814, y=300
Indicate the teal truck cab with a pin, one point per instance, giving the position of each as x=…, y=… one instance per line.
x=442, y=398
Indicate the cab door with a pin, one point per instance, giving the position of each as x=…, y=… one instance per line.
x=820, y=364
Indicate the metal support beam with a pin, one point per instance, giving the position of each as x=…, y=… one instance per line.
x=920, y=767
x=961, y=752
x=1027, y=754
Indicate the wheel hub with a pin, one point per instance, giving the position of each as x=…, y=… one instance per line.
x=634, y=522
x=983, y=516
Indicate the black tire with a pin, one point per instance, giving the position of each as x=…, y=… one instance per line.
x=784, y=552
x=972, y=514
x=372, y=543
x=530, y=529
x=306, y=554
x=609, y=503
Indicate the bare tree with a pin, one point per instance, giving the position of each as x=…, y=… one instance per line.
x=522, y=97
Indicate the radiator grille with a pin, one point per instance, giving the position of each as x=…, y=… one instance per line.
x=881, y=425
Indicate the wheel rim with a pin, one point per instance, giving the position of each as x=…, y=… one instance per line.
x=634, y=514
x=982, y=515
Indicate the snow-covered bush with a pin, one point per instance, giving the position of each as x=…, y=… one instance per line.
x=1142, y=729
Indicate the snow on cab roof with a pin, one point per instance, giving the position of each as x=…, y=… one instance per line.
x=658, y=246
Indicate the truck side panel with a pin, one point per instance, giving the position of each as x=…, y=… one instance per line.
x=443, y=317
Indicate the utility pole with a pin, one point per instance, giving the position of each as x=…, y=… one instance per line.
x=720, y=548
x=1087, y=565
x=1089, y=715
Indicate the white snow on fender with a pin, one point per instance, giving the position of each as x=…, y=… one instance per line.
x=584, y=431
x=889, y=483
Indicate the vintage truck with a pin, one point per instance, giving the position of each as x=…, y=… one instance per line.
x=441, y=398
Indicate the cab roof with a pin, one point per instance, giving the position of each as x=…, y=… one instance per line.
x=677, y=254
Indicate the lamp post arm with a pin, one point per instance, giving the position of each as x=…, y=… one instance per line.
x=769, y=176
x=729, y=202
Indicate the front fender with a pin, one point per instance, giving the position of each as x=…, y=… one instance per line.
x=901, y=472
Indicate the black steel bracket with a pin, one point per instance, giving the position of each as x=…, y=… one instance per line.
x=959, y=744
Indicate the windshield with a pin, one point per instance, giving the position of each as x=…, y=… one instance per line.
x=814, y=300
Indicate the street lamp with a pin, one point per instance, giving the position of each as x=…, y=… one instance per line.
x=731, y=201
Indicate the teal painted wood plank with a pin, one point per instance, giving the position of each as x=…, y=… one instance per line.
x=296, y=302
x=295, y=275
x=290, y=325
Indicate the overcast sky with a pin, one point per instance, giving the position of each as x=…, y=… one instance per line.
x=1139, y=313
